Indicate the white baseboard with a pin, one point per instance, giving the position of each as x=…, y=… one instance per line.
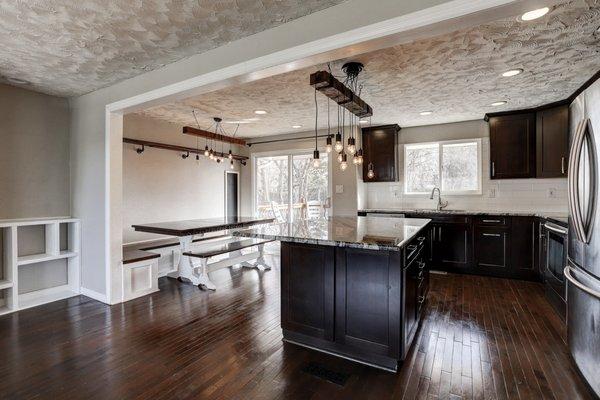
x=94, y=295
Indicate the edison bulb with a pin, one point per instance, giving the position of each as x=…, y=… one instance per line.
x=371, y=174
x=351, y=149
x=339, y=146
x=328, y=148
x=339, y=157
x=343, y=165
x=360, y=160
x=355, y=160
x=316, y=162
x=231, y=165
x=206, y=152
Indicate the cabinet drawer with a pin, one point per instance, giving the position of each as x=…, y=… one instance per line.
x=492, y=220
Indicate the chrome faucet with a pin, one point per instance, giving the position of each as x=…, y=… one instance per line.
x=441, y=204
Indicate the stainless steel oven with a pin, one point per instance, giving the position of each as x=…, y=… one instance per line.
x=554, y=260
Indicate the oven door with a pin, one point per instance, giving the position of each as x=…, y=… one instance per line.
x=556, y=258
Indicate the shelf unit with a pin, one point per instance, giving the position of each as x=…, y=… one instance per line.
x=61, y=241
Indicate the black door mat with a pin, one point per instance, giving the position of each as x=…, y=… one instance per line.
x=322, y=372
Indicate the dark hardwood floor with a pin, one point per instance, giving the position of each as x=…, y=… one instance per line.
x=481, y=338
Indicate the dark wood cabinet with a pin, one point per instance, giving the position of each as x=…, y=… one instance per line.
x=524, y=248
x=492, y=250
x=379, y=144
x=307, y=301
x=512, y=146
x=368, y=286
x=552, y=142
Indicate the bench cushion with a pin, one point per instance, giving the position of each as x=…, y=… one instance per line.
x=226, y=248
x=131, y=256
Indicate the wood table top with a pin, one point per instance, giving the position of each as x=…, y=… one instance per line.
x=199, y=226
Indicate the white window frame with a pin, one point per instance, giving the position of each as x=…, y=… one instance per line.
x=289, y=154
x=440, y=145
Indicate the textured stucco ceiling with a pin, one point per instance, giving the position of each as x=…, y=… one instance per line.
x=457, y=76
x=71, y=47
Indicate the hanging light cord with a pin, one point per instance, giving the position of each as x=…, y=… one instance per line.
x=316, y=119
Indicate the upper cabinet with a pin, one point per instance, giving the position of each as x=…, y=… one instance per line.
x=529, y=144
x=552, y=135
x=512, y=146
x=379, y=145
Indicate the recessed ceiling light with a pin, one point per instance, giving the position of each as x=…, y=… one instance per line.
x=17, y=81
x=498, y=103
x=260, y=112
x=535, y=14
x=426, y=112
x=296, y=126
x=362, y=121
x=512, y=72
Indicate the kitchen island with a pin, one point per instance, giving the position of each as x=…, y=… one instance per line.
x=353, y=287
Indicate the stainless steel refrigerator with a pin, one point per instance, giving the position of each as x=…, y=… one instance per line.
x=583, y=266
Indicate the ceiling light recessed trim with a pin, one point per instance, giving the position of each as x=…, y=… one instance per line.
x=260, y=112
x=499, y=103
x=426, y=113
x=296, y=126
x=363, y=121
x=535, y=14
x=512, y=72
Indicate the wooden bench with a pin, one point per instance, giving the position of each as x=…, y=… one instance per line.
x=236, y=256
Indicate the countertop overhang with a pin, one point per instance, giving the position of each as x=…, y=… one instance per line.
x=358, y=232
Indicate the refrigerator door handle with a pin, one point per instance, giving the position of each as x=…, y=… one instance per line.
x=555, y=228
x=580, y=285
x=573, y=182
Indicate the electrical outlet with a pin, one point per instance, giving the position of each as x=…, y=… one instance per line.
x=492, y=193
x=551, y=193
x=339, y=189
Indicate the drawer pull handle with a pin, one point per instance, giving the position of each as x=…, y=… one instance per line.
x=492, y=234
x=421, y=299
x=495, y=221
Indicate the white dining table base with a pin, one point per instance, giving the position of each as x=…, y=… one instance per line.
x=198, y=274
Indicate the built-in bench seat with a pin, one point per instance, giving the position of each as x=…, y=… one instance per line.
x=226, y=248
x=135, y=255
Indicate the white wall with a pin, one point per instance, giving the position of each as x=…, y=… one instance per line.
x=511, y=194
x=159, y=185
x=34, y=154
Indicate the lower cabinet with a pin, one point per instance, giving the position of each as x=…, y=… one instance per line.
x=492, y=250
x=357, y=303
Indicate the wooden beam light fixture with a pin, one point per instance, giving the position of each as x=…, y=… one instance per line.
x=327, y=84
x=181, y=149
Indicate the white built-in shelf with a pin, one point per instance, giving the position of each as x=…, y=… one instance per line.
x=5, y=284
x=44, y=296
x=12, y=276
x=37, y=258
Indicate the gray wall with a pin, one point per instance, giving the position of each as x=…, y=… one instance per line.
x=34, y=154
x=158, y=185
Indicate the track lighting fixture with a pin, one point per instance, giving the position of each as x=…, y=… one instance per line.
x=140, y=150
x=186, y=155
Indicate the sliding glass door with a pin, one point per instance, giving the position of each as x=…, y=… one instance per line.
x=289, y=187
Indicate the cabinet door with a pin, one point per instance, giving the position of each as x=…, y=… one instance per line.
x=307, y=289
x=368, y=290
x=451, y=249
x=552, y=147
x=512, y=146
x=524, y=247
x=492, y=250
x=379, y=147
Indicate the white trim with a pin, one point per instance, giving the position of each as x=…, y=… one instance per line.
x=440, y=144
x=94, y=295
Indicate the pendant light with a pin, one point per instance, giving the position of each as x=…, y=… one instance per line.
x=328, y=145
x=344, y=163
x=370, y=172
x=231, y=165
x=316, y=161
x=339, y=146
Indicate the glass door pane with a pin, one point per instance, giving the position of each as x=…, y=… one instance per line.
x=272, y=195
x=310, y=187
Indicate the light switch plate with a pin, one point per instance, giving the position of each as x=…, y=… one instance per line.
x=339, y=188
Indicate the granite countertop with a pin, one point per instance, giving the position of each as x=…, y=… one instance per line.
x=556, y=216
x=359, y=232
